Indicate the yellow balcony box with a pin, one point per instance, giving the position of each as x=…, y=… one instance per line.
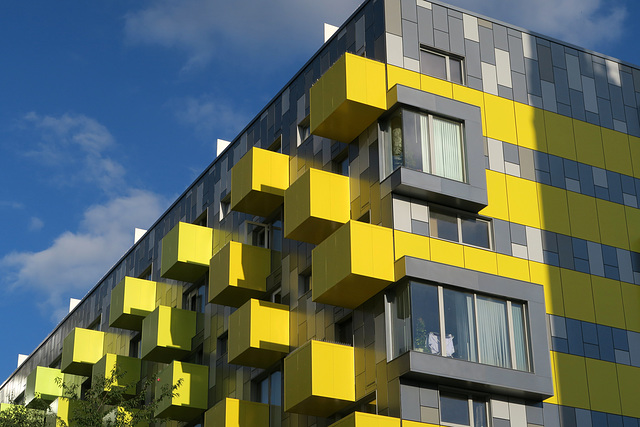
x=348, y=98
x=238, y=272
x=167, y=333
x=319, y=379
x=237, y=413
x=315, y=206
x=131, y=301
x=258, y=182
x=360, y=419
x=41, y=384
x=125, y=370
x=353, y=264
x=186, y=251
x=258, y=334
x=81, y=349
x=191, y=397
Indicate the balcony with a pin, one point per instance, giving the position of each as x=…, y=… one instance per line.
x=319, y=379
x=192, y=395
x=186, y=251
x=353, y=264
x=237, y=413
x=167, y=333
x=131, y=301
x=258, y=334
x=41, y=384
x=126, y=372
x=348, y=98
x=238, y=272
x=81, y=349
x=258, y=182
x=360, y=419
x=315, y=206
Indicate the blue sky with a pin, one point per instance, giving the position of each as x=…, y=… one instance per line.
x=109, y=109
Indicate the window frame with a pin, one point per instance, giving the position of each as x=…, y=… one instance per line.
x=471, y=399
x=460, y=215
x=268, y=376
x=303, y=130
x=448, y=58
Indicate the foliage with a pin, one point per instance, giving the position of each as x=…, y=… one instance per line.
x=106, y=403
x=19, y=416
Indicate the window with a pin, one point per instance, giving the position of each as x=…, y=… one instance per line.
x=225, y=207
x=344, y=331
x=202, y=219
x=441, y=65
x=276, y=145
x=269, y=389
x=146, y=274
x=135, y=349
x=95, y=325
x=470, y=230
x=458, y=409
x=475, y=327
x=424, y=142
x=276, y=295
x=222, y=346
x=263, y=235
x=304, y=130
x=304, y=282
x=341, y=163
x=195, y=298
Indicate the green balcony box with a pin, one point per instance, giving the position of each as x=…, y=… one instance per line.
x=237, y=413
x=131, y=301
x=167, y=333
x=126, y=369
x=191, y=397
x=186, y=251
x=81, y=349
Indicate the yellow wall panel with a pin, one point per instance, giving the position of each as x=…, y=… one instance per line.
x=447, y=252
x=559, y=130
x=437, y=86
x=360, y=419
x=603, y=386
x=409, y=244
x=578, y=297
x=515, y=268
x=628, y=380
x=498, y=206
x=571, y=380
x=633, y=227
x=400, y=76
x=607, y=298
x=549, y=277
x=617, y=155
x=612, y=220
x=530, y=127
x=522, y=197
x=500, y=117
x=588, y=143
x=634, y=148
x=583, y=216
x=480, y=260
x=554, y=210
x=631, y=302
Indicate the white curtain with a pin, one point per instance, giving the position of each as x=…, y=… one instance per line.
x=517, y=313
x=424, y=142
x=447, y=149
x=492, y=331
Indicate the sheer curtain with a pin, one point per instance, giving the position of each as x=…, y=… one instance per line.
x=492, y=331
x=424, y=139
x=447, y=149
x=519, y=337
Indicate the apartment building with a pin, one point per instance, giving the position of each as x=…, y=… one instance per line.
x=435, y=222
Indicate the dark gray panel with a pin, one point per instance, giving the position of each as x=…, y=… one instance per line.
x=562, y=85
x=604, y=108
x=500, y=39
x=429, y=397
x=565, y=251
x=505, y=92
x=410, y=44
x=605, y=341
x=456, y=36
x=615, y=187
x=518, y=234
x=563, y=109
x=502, y=237
x=454, y=13
x=527, y=169
x=510, y=153
x=633, y=126
x=556, y=166
x=557, y=55
x=410, y=402
x=534, y=413
x=617, y=104
x=441, y=40
x=516, y=54
x=628, y=91
x=577, y=105
x=574, y=337
x=567, y=416
x=472, y=59
x=600, y=76
x=586, y=65
x=440, y=21
x=533, y=77
x=487, y=50
x=409, y=11
x=425, y=26
x=519, y=83
x=551, y=415
x=499, y=422
x=545, y=63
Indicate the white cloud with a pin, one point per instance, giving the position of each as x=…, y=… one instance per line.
x=209, y=117
x=9, y=204
x=74, y=147
x=35, y=224
x=197, y=27
x=75, y=261
x=589, y=23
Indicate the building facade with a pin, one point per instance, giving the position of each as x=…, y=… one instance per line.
x=435, y=222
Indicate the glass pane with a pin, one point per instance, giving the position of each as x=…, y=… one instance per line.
x=264, y=391
x=475, y=232
x=401, y=322
x=433, y=65
x=455, y=70
x=492, y=332
x=447, y=149
x=444, y=226
x=480, y=414
x=519, y=337
x=426, y=318
x=396, y=137
x=412, y=141
x=454, y=408
x=459, y=325
x=276, y=388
